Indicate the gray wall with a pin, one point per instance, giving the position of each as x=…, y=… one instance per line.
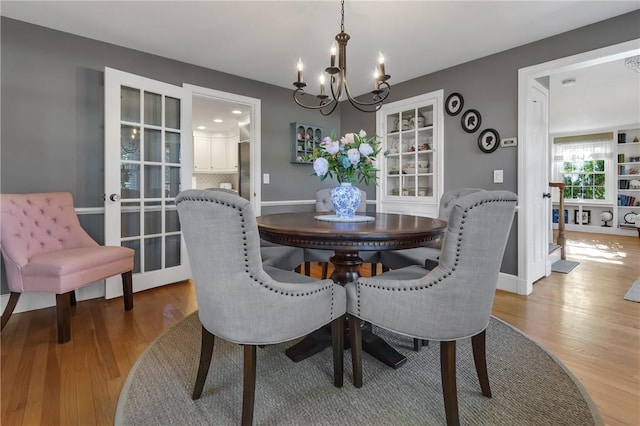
x=52, y=111
x=490, y=85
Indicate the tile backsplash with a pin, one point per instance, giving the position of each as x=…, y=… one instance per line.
x=208, y=180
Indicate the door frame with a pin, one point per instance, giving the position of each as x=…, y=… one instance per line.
x=525, y=77
x=256, y=131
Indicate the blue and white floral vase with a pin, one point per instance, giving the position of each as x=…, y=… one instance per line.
x=345, y=199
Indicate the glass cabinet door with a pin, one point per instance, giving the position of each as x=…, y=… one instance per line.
x=410, y=172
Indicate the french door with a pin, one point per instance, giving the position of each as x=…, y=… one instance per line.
x=147, y=163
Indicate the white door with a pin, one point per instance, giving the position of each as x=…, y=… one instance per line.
x=537, y=182
x=147, y=164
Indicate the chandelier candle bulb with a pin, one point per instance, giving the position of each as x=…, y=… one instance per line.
x=321, y=84
x=381, y=62
x=300, y=66
x=376, y=79
x=333, y=50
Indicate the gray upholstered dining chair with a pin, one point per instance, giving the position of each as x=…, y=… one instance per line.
x=281, y=257
x=427, y=257
x=240, y=299
x=324, y=205
x=451, y=302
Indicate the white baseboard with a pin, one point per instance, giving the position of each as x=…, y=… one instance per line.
x=508, y=282
x=33, y=301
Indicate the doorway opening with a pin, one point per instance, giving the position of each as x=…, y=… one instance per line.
x=225, y=133
x=528, y=193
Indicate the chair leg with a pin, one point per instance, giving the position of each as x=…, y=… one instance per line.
x=325, y=270
x=448, y=374
x=63, y=313
x=374, y=269
x=417, y=345
x=8, y=310
x=127, y=290
x=337, y=340
x=74, y=302
x=480, y=358
x=355, y=333
x=206, y=351
x=307, y=268
x=248, y=384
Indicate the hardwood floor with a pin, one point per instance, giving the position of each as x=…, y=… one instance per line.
x=580, y=317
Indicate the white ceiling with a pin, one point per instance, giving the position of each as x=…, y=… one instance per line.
x=262, y=40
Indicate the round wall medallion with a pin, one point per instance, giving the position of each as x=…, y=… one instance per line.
x=488, y=141
x=471, y=120
x=454, y=103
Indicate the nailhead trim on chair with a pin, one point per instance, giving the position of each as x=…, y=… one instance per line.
x=439, y=279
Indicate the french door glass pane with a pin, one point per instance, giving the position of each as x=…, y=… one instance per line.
x=172, y=251
x=152, y=145
x=172, y=181
x=152, y=181
x=129, y=142
x=152, y=109
x=172, y=224
x=130, y=180
x=130, y=220
x=152, y=217
x=129, y=104
x=172, y=113
x=172, y=147
x=152, y=254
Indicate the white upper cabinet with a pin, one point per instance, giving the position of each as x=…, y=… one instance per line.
x=215, y=152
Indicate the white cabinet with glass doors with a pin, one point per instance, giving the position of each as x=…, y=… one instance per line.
x=411, y=172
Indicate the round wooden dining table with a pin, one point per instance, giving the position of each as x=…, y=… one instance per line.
x=386, y=231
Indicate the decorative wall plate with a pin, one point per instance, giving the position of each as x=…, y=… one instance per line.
x=488, y=141
x=471, y=120
x=454, y=103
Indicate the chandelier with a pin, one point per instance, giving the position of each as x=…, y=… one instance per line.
x=338, y=80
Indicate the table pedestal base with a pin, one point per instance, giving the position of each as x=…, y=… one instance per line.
x=371, y=344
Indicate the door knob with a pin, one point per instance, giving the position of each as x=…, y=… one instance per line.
x=546, y=195
x=114, y=197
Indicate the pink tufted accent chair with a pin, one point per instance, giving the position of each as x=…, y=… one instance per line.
x=46, y=250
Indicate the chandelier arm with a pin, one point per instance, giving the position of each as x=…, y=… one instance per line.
x=377, y=102
x=337, y=81
x=335, y=104
x=318, y=107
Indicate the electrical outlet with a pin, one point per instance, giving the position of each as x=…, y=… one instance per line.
x=498, y=176
x=265, y=178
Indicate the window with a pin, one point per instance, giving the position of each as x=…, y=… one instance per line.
x=583, y=164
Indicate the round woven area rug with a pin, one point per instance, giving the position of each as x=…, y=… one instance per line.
x=529, y=386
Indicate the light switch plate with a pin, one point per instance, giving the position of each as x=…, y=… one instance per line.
x=498, y=176
x=265, y=178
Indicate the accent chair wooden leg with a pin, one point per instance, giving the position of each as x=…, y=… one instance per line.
x=63, y=312
x=325, y=270
x=417, y=345
x=74, y=302
x=337, y=340
x=249, y=384
x=374, y=269
x=127, y=290
x=355, y=333
x=478, y=343
x=448, y=373
x=307, y=268
x=206, y=351
x=8, y=310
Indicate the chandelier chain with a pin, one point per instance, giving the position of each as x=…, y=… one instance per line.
x=342, y=21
